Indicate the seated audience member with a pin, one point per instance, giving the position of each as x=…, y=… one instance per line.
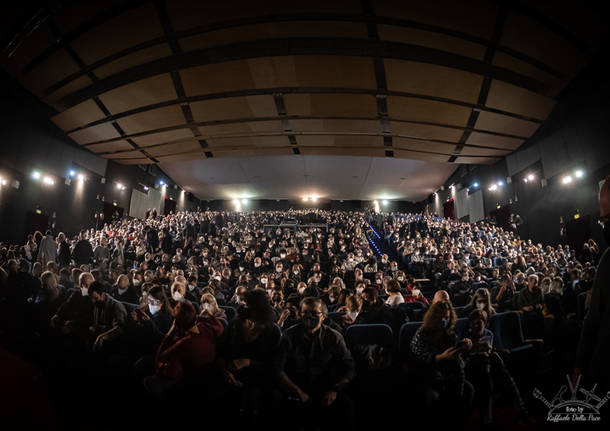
x=109, y=318
x=486, y=370
x=209, y=307
x=394, y=295
x=481, y=300
x=439, y=296
x=314, y=367
x=248, y=352
x=74, y=316
x=438, y=356
x=123, y=291
x=502, y=295
x=530, y=304
x=187, y=352
x=373, y=310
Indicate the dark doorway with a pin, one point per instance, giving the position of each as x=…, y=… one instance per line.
x=111, y=213
x=449, y=209
x=578, y=231
x=170, y=206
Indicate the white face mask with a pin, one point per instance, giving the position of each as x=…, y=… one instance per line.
x=282, y=256
x=264, y=280
x=241, y=268
x=415, y=292
x=352, y=315
x=256, y=265
x=136, y=282
x=359, y=289
x=177, y=296
x=295, y=272
x=84, y=291
x=400, y=278
x=206, y=307
x=217, y=277
x=302, y=290
x=192, y=287
x=278, y=270
x=154, y=309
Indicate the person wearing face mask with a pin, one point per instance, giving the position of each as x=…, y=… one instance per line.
x=193, y=291
x=122, y=290
x=73, y=317
x=209, y=307
x=178, y=293
x=315, y=366
x=481, y=300
x=438, y=363
x=593, y=353
x=394, y=296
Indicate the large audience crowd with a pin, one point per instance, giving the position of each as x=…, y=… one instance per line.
x=257, y=319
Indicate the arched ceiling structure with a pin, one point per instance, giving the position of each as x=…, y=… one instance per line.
x=179, y=82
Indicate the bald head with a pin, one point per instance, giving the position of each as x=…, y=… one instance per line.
x=440, y=296
x=604, y=199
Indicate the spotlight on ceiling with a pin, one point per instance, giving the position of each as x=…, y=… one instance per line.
x=119, y=186
x=384, y=202
x=244, y=201
x=493, y=188
x=145, y=188
x=567, y=179
x=72, y=172
x=48, y=180
x=579, y=173
x=500, y=183
x=531, y=177
x=36, y=175
x=475, y=185
x=305, y=198
x=161, y=182
x=81, y=177
x=2, y=181
x=314, y=198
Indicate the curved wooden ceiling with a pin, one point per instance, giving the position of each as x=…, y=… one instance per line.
x=145, y=82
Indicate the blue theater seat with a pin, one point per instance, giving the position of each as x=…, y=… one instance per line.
x=507, y=331
x=407, y=331
x=374, y=333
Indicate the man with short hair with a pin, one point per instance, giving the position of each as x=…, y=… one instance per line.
x=109, y=316
x=315, y=365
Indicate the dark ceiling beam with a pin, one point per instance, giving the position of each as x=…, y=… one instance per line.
x=270, y=19
x=484, y=91
x=302, y=46
x=175, y=75
x=380, y=77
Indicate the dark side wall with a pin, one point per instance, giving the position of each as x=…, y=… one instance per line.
x=575, y=136
x=30, y=142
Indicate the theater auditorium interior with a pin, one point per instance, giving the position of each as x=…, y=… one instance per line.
x=304, y=214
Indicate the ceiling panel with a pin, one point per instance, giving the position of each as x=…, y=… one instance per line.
x=476, y=17
x=139, y=161
x=181, y=147
x=413, y=109
x=331, y=105
x=124, y=155
x=426, y=131
x=110, y=146
x=443, y=42
x=267, y=151
x=432, y=80
x=241, y=128
x=418, y=145
x=234, y=108
x=162, y=137
x=340, y=141
x=79, y=115
x=151, y=120
x=335, y=126
x=337, y=151
x=489, y=140
x=148, y=91
x=511, y=98
x=185, y=14
x=52, y=70
x=254, y=141
x=479, y=151
x=274, y=30
x=216, y=78
x=72, y=86
x=181, y=157
x=414, y=155
x=118, y=33
x=505, y=124
x=552, y=84
x=525, y=35
x=477, y=160
x=100, y=132
x=136, y=58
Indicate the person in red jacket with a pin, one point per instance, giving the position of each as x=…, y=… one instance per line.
x=186, y=352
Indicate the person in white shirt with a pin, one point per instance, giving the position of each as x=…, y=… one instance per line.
x=394, y=295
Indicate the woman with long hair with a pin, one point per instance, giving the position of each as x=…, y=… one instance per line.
x=437, y=354
x=481, y=300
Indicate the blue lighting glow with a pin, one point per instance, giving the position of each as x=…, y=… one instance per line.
x=475, y=184
x=72, y=172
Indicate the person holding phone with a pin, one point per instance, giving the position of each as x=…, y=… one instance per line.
x=438, y=355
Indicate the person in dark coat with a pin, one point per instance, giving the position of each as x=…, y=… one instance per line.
x=63, y=257
x=83, y=251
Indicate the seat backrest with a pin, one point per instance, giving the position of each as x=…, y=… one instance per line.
x=461, y=327
x=367, y=334
x=336, y=316
x=459, y=311
x=407, y=331
x=515, y=301
x=507, y=331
